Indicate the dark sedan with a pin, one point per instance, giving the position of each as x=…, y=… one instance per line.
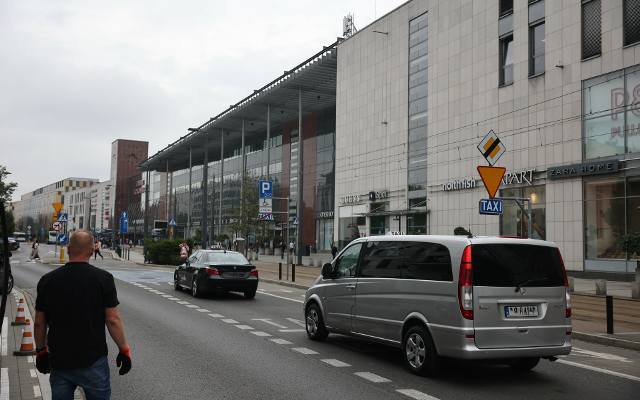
x=218, y=271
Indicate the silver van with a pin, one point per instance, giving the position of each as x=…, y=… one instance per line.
x=447, y=296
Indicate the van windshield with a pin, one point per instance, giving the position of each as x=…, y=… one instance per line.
x=511, y=265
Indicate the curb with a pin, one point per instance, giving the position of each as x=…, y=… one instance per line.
x=606, y=340
x=285, y=283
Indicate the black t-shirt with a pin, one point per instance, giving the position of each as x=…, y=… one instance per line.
x=74, y=298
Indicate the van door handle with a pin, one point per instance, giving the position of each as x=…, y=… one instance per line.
x=351, y=287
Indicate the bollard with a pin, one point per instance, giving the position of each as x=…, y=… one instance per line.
x=279, y=271
x=572, y=284
x=601, y=287
x=610, y=315
x=635, y=290
x=293, y=272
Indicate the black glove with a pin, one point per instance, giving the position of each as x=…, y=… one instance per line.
x=42, y=361
x=123, y=361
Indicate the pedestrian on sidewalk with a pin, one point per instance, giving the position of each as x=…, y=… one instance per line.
x=96, y=250
x=34, y=250
x=74, y=304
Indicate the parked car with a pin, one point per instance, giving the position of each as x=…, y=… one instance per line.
x=218, y=271
x=13, y=244
x=20, y=236
x=447, y=296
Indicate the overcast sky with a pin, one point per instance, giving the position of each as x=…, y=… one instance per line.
x=76, y=75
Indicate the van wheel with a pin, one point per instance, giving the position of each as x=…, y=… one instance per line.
x=524, y=364
x=315, y=324
x=419, y=352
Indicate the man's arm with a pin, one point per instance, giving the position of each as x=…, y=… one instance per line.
x=115, y=327
x=40, y=329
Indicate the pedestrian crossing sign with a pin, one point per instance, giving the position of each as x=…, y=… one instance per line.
x=491, y=147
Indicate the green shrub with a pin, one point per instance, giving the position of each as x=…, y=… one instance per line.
x=165, y=252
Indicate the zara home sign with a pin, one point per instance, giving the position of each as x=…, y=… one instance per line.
x=584, y=169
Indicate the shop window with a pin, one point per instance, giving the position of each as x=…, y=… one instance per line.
x=611, y=113
x=377, y=224
x=514, y=221
x=349, y=229
x=604, y=219
x=631, y=17
x=591, y=29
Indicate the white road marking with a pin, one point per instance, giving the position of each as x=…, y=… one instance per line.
x=280, y=297
x=280, y=341
x=230, y=321
x=595, y=354
x=415, y=394
x=290, y=330
x=172, y=298
x=335, y=363
x=244, y=327
x=261, y=334
x=371, y=377
x=191, y=306
x=36, y=391
x=202, y=310
x=5, y=331
x=596, y=369
x=304, y=350
x=166, y=296
x=4, y=383
x=30, y=359
x=33, y=373
x=216, y=315
x=296, y=321
x=182, y=302
x=268, y=321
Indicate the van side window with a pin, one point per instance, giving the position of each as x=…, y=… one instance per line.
x=346, y=264
x=406, y=260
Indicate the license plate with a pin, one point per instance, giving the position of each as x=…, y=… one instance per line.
x=520, y=311
x=231, y=274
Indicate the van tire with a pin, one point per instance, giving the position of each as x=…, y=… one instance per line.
x=524, y=364
x=314, y=323
x=419, y=352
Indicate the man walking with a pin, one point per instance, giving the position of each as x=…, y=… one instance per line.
x=74, y=304
x=96, y=249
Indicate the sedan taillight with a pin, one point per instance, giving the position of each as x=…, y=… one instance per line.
x=211, y=271
x=254, y=272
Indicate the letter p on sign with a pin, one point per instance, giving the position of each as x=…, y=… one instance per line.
x=266, y=189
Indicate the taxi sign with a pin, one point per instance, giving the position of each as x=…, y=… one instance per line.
x=491, y=147
x=491, y=206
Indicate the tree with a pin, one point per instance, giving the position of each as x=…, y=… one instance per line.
x=6, y=188
x=248, y=209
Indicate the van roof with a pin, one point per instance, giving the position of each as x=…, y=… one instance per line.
x=458, y=238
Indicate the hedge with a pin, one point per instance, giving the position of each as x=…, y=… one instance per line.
x=165, y=252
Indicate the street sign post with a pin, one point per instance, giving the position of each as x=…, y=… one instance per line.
x=124, y=222
x=265, y=203
x=492, y=206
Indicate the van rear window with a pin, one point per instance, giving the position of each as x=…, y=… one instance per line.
x=510, y=265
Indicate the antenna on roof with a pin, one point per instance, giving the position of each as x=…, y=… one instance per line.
x=348, y=27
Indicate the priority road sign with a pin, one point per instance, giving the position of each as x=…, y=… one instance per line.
x=491, y=206
x=57, y=226
x=491, y=147
x=491, y=177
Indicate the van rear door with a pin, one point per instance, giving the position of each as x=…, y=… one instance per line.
x=519, y=295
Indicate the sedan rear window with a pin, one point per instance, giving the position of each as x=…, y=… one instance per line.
x=511, y=265
x=226, y=258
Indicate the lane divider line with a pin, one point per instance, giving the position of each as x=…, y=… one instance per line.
x=268, y=321
x=5, y=335
x=182, y=302
x=230, y=321
x=297, y=322
x=280, y=297
x=304, y=350
x=261, y=334
x=33, y=373
x=202, y=310
x=416, y=394
x=371, y=377
x=335, y=363
x=191, y=306
x=280, y=341
x=290, y=330
x=4, y=383
x=602, y=370
x=36, y=391
x=244, y=327
x=216, y=315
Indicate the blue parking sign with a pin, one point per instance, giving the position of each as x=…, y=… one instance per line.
x=265, y=189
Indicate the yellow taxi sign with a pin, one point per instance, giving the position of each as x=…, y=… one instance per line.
x=491, y=147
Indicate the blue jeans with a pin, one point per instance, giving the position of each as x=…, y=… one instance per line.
x=94, y=380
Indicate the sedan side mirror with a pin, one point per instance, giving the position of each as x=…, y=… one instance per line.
x=327, y=271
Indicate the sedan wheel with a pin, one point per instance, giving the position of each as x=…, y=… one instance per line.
x=176, y=283
x=195, y=290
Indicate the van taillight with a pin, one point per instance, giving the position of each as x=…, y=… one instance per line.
x=567, y=289
x=465, y=284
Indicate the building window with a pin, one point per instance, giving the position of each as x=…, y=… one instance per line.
x=506, y=60
x=514, y=221
x=591, y=29
x=631, y=17
x=536, y=37
x=611, y=114
x=418, y=92
x=506, y=7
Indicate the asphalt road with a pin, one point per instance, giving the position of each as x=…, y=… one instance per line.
x=232, y=348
